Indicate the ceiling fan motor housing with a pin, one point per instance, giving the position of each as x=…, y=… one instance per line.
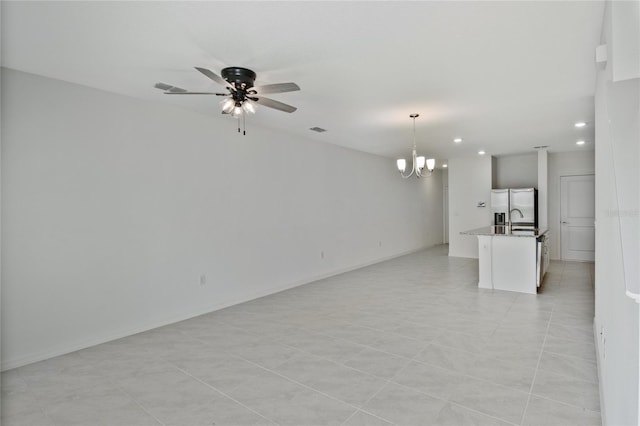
x=242, y=77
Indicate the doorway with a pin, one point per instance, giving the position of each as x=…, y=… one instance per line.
x=577, y=216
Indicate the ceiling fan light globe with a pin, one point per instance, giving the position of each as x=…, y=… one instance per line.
x=227, y=104
x=247, y=106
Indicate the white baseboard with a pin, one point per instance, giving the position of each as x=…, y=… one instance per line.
x=160, y=322
x=462, y=256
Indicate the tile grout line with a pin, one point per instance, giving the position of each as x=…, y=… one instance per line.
x=111, y=382
x=186, y=373
x=40, y=408
x=300, y=384
x=29, y=392
x=446, y=401
x=567, y=404
x=390, y=380
x=341, y=363
x=562, y=355
x=387, y=381
x=409, y=360
x=578, y=358
x=340, y=339
x=222, y=393
x=535, y=374
x=135, y=400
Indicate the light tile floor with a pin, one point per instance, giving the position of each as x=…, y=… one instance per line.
x=411, y=341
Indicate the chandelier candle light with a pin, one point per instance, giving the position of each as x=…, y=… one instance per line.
x=418, y=162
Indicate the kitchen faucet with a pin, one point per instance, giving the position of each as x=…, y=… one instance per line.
x=511, y=211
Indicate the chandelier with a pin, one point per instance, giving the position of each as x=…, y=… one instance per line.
x=418, y=162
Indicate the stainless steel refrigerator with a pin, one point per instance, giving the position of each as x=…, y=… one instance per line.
x=523, y=206
x=514, y=206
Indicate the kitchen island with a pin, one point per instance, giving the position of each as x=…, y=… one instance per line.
x=509, y=258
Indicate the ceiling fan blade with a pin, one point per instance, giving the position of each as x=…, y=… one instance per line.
x=215, y=77
x=274, y=104
x=169, y=88
x=195, y=93
x=276, y=88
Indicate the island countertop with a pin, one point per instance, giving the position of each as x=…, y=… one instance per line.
x=506, y=231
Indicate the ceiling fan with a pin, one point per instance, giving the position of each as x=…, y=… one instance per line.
x=242, y=94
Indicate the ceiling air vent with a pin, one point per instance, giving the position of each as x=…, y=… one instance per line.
x=318, y=129
x=541, y=147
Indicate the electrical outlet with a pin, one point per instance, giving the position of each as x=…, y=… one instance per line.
x=203, y=279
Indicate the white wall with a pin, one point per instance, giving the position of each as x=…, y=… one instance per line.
x=516, y=171
x=469, y=183
x=617, y=316
x=113, y=208
x=624, y=40
x=432, y=207
x=543, y=188
x=563, y=164
x=0, y=223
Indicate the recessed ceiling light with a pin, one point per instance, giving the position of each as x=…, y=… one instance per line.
x=580, y=124
x=481, y=152
x=444, y=166
x=580, y=143
x=457, y=140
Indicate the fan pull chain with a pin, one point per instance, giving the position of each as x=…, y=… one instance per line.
x=244, y=125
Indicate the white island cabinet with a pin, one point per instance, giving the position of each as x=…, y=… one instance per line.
x=512, y=260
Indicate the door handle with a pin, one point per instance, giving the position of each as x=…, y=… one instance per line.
x=562, y=221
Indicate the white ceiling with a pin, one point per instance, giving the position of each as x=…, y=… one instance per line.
x=505, y=76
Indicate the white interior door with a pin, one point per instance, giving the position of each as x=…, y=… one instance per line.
x=577, y=215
